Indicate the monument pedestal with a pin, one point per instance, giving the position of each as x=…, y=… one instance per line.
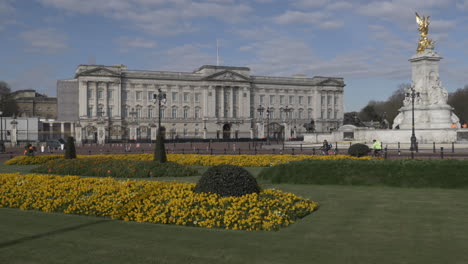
x=427, y=117
x=431, y=110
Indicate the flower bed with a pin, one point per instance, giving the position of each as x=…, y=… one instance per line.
x=194, y=159
x=155, y=202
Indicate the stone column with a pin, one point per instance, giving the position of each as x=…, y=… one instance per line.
x=105, y=97
x=62, y=129
x=212, y=102
x=240, y=100
x=133, y=129
x=287, y=131
x=14, y=133
x=154, y=132
x=72, y=129
x=118, y=99
x=95, y=109
x=222, y=103
x=231, y=100
x=51, y=130
x=78, y=134
x=332, y=101
x=101, y=133
x=83, y=99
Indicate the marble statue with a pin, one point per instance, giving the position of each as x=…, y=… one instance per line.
x=437, y=93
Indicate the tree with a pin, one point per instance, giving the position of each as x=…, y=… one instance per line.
x=458, y=100
x=7, y=103
x=369, y=112
x=378, y=110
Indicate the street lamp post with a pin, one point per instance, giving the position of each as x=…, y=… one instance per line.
x=160, y=97
x=2, y=144
x=413, y=95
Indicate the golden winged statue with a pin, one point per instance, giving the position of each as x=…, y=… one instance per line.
x=423, y=28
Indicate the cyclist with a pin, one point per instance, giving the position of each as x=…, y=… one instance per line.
x=325, y=147
x=377, y=147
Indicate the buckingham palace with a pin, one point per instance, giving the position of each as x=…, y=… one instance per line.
x=112, y=103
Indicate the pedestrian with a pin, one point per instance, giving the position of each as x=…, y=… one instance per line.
x=453, y=125
x=464, y=125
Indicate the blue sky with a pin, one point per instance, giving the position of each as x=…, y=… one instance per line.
x=367, y=42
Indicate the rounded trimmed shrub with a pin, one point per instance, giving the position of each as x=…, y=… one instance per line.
x=358, y=150
x=227, y=180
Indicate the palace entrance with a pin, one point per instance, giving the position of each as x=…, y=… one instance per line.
x=227, y=131
x=275, y=131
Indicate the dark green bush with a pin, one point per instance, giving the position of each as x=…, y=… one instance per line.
x=107, y=167
x=70, y=152
x=227, y=180
x=396, y=173
x=358, y=150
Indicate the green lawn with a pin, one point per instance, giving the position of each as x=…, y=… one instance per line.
x=353, y=225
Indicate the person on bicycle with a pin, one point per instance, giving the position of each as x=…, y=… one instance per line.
x=325, y=147
x=377, y=147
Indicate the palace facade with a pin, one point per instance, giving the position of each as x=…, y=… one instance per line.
x=111, y=103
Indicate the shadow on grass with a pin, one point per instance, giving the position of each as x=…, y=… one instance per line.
x=50, y=233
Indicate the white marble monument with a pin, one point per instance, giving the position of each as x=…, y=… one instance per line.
x=431, y=110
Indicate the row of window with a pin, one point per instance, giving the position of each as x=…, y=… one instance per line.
x=137, y=112
x=186, y=97
x=300, y=99
x=151, y=113
x=139, y=95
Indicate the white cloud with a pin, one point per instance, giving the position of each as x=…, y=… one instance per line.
x=439, y=25
x=186, y=58
x=319, y=19
x=160, y=17
x=298, y=17
x=401, y=11
x=6, y=12
x=462, y=4
x=310, y=3
x=257, y=33
x=331, y=24
x=45, y=40
x=339, y=5
x=127, y=43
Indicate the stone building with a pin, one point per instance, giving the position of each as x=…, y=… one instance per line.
x=33, y=104
x=112, y=103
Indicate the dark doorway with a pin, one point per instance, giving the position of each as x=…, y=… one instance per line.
x=276, y=131
x=226, y=131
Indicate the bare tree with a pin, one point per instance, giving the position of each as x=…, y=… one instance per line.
x=379, y=110
x=7, y=103
x=458, y=100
